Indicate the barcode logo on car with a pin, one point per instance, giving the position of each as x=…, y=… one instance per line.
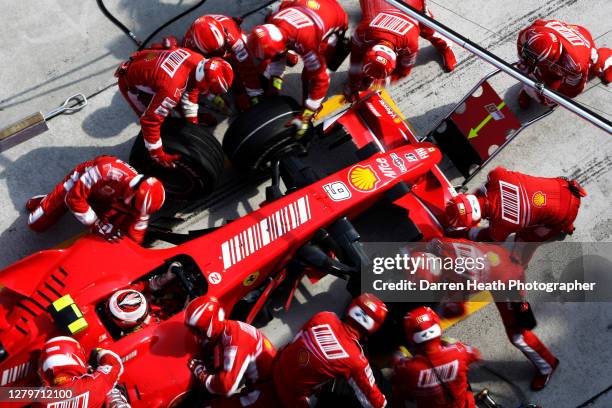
x=510, y=202
x=390, y=22
x=265, y=231
x=10, y=375
x=327, y=342
x=444, y=373
x=174, y=60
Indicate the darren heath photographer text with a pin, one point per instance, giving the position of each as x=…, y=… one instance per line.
x=409, y=264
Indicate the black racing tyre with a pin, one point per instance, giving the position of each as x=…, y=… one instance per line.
x=201, y=164
x=260, y=134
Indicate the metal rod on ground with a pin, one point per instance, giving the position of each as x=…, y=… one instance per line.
x=493, y=59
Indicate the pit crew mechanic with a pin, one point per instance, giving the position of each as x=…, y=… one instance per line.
x=516, y=314
x=385, y=44
x=63, y=364
x=105, y=194
x=154, y=81
x=221, y=36
x=436, y=375
x=535, y=209
x=310, y=28
x=560, y=55
x=327, y=347
x=235, y=354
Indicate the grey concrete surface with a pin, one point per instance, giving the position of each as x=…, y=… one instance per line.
x=56, y=48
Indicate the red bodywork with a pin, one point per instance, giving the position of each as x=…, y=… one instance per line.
x=234, y=260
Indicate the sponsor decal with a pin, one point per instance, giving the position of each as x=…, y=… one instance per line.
x=303, y=357
x=249, y=280
x=385, y=167
x=294, y=17
x=422, y=153
x=388, y=109
x=495, y=113
x=10, y=375
x=312, y=4
x=150, y=56
x=263, y=232
x=392, y=23
x=493, y=258
x=337, y=191
x=398, y=162
x=444, y=373
x=327, y=342
x=80, y=401
x=363, y=178
x=373, y=109
x=510, y=202
x=411, y=157
x=539, y=199
x=174, y=60
x=129, y=356
x=214, y=278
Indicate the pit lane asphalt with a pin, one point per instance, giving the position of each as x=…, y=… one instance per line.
x=57, y=48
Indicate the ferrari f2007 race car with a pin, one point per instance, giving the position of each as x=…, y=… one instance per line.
x=65, y=291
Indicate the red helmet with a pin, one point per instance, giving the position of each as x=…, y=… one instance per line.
x=267, y=41
x=366, y=313
x=379, y=62
x=537, y=46
x=128, y=308
x=149, y=196
x=205, y=316
x=208, y=35
x=463, y=210
x=214, y=75
x=62, y=357
x=422, y=324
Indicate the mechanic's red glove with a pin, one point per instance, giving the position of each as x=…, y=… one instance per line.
x=301, y=122
x=292, y=58
x=109, y=358
x=198, y=369
x=106, y=230
x=164, y=159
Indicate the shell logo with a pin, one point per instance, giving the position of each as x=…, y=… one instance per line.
x=539, y=199
x=313, y=5
x=363, y=178
x=493, y=258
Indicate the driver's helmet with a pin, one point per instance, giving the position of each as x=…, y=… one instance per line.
x=128, y=308
x=366, y=313
x=62, y=358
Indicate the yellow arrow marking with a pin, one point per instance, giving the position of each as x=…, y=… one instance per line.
x=474, y=131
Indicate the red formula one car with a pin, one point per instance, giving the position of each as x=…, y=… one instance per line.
x=64, y=291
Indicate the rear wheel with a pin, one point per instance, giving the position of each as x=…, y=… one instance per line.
x=201, y=164
x=259, y=135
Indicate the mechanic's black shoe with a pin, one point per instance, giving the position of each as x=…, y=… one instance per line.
x=34, y=202
x=540, y=380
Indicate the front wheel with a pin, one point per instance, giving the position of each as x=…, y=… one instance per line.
x=201, y=164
